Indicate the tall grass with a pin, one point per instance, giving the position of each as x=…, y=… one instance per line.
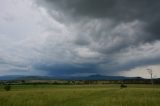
x=82, y=95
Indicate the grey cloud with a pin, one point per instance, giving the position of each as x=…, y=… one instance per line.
x=110, y=27
x=120, y=11
x=82, y=36
x=66, y=69
x=153, y=29
x=124, y=9
x=82, y=41
x=134, y=57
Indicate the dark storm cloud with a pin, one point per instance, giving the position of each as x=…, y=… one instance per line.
x=153, y=29
x=131, y=64
x=111, y=28
x=118, y=10
x=82, y=41
x=66, y=69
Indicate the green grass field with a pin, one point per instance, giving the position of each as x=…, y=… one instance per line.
x=80, y=95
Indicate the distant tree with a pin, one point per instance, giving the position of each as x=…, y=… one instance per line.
x=7, y=87
x=123, y=86
x=23, y=81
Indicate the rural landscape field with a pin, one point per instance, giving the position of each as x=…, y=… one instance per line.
x=79, y=52
x=81, y=95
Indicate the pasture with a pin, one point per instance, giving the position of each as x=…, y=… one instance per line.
x=80, y=95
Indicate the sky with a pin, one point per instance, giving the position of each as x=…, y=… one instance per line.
x=80, y=37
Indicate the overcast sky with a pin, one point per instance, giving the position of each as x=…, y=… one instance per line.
x=79, y=37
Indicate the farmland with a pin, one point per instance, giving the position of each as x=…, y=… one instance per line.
x=80, y=95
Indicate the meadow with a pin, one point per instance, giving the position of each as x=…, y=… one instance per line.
x=81, y=95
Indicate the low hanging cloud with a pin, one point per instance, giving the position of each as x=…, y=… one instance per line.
x=73, y=37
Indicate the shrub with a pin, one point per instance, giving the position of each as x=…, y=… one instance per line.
x=123, y=86
x=7, y=87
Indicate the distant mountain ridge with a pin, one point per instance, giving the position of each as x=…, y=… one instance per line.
x=91, y=77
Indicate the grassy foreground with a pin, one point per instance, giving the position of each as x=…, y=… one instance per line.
x=80, y=95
